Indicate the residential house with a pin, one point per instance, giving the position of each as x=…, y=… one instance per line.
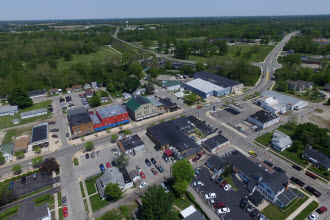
x=28, y=210
x=7, y=151
x=77, y=87
x=94, y=85
x=109, y=116
x=21, y=144
x=168, y=105
x=112, y=175
x=80, y=122
x=104, y=99
x=53, y=91
x=156, y=102
x=37, y=93
x=281, y=141
x=89, y=93
x=69, y=90
x=131, y=144
x=39, y=136
x=126, y=95
x=139, y=92
x=264, y=119
x=216, y=164
x=140, y=108
x=171, y=85
x=87, y=86
x=215, y=143
x=299, y=85
x=191, y=213
x=316, y=158
x=8, y=110
x=34, y=113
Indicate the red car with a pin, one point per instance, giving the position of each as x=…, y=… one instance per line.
x=223, y=183
x=154, y=171
x=65, y=212
x=197, y=158
x=198, y=107
x=54, y=136
x=219, y=205
x=108, y=165
x=322, y=209
x=142, y=175
x=314, y=177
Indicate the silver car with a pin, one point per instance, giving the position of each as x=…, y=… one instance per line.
x=64, y=203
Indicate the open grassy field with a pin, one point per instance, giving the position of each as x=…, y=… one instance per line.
x=16, y=132
x=103, y=52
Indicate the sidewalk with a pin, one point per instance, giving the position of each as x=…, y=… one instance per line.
x=81, y=179
x=301, y=208
x=56, y=206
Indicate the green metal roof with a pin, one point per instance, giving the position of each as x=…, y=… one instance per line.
x=7, y=148
x=135, y=102
x=171, y=83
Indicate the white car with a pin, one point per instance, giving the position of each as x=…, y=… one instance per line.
x=313, y=216
x=142, y=185
x=206, y=105
x=138, y=169
x=164, y=186
x=227, y=187
x=210, y=196
x=218, y=101
x=223, y=210
x=198, y=184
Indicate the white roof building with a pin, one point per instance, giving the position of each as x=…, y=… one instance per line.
x=34, y=113
x=8, y=110
x=204, y=86
x=281, y=141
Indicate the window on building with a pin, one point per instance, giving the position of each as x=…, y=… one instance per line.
x=270, y=192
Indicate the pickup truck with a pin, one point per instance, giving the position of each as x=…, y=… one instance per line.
x=210, y=196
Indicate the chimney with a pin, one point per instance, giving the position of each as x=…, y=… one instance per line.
x=287, y=185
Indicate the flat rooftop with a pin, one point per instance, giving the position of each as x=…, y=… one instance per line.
x=110, y=111
x=39, y=132
x=204, y=86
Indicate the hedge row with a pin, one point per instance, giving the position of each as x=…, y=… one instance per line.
x=41, y=198
x=9, y=211
x=7, y=181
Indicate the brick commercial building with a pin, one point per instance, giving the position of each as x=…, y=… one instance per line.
x=110, y=116
x=131, y=145
x=80, y=122
x=140, y=108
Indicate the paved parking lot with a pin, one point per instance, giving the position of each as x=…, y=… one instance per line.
x=231, y=198
x=33, y=185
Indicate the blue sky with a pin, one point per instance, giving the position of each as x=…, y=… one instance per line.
x=75, y=9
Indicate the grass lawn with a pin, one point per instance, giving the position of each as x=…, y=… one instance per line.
x=75, y=161
x=60, y=213
x=50, y=202
x=59, y=199
x=325, y=174
x=82, y=189
x=307, y=211
x=9, y=212
x=295, y=156
x=265, y=139
x=90, y=184
x=97, y=203
x=100, y=54
x=98, y=93
x=229, y=181
x=182, y=203
x=273, y=212
x=6, y=121
x=36, y=192
x=86, y=206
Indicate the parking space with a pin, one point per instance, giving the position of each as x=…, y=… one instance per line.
x=231, y=198
x=32, y=185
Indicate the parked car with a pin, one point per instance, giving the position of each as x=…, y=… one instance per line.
x=23, y=180
x=249, y=208
x=98, y=153
x=223, y=210
x=108, y=165
x=213, y=177
x=154, y=171
x=64, y=201
x=198, y=184
x=67, y=134
x=165, y=157
x=223, y=184
x=165, y=187
x=297, y=181
x=311, y=175
x=297, y=167
x=102, y=168
x=160, y=168
x=153, y=161
x=227, y=187
x=321, y=210
x=213, y=201
x=197, y=158
x=262, y=217
x=253, y=153
x=219, y=205
x=313, y=216
x=243, y=203
x=142, y=185
x=93, y=154
x=87, y=156
x=198, y=107
x=197, y=172
x=313, y=191
x=113, y=163
x=268, y=163
x=35, y=176
x=54, y=136
x=138, y=169
x=54, y=130
x=173, y=159
x=142, y=175
x=210, y=196
x=278, y=169
x=65, y=212
x=255, y=213
x=11, y=186
x=51, y=122
x=147, y=162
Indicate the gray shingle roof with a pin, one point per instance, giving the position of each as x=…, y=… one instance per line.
x=287, y=196
x=216, y=162
x=321, y=158
x=214, y=141
x=264, y=116
x=37, y=93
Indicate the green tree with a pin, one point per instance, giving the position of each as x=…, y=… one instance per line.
x=222, y=46
x=187, y=70
x=122, y=160
x=37, y=161
x=95, y=101
x=150, y=88
x=296, y=146
x=182, y=171
x=19, y=154
x=312, y=134
x=127, y=132
x=136, y=69
x=182, y=51
x=156, y=204
x=2, y=159
x=16, y=169
x=131, y=84
x=199, y=66
x=37, y=149
x=180, y=187
x=67, y=55
x=291, y=59
x=18, y=97
x=49, y=165
x=146, y=43
x=168, y=65
x=6, y=195
x=112, y=191
x=89, y=146
x=114, y=137
x=113, y=215
x=282, y=86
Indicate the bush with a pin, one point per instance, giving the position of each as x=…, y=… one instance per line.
x=125, y=211
x=190, y=197
x=9, y=212
x=41, y=198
